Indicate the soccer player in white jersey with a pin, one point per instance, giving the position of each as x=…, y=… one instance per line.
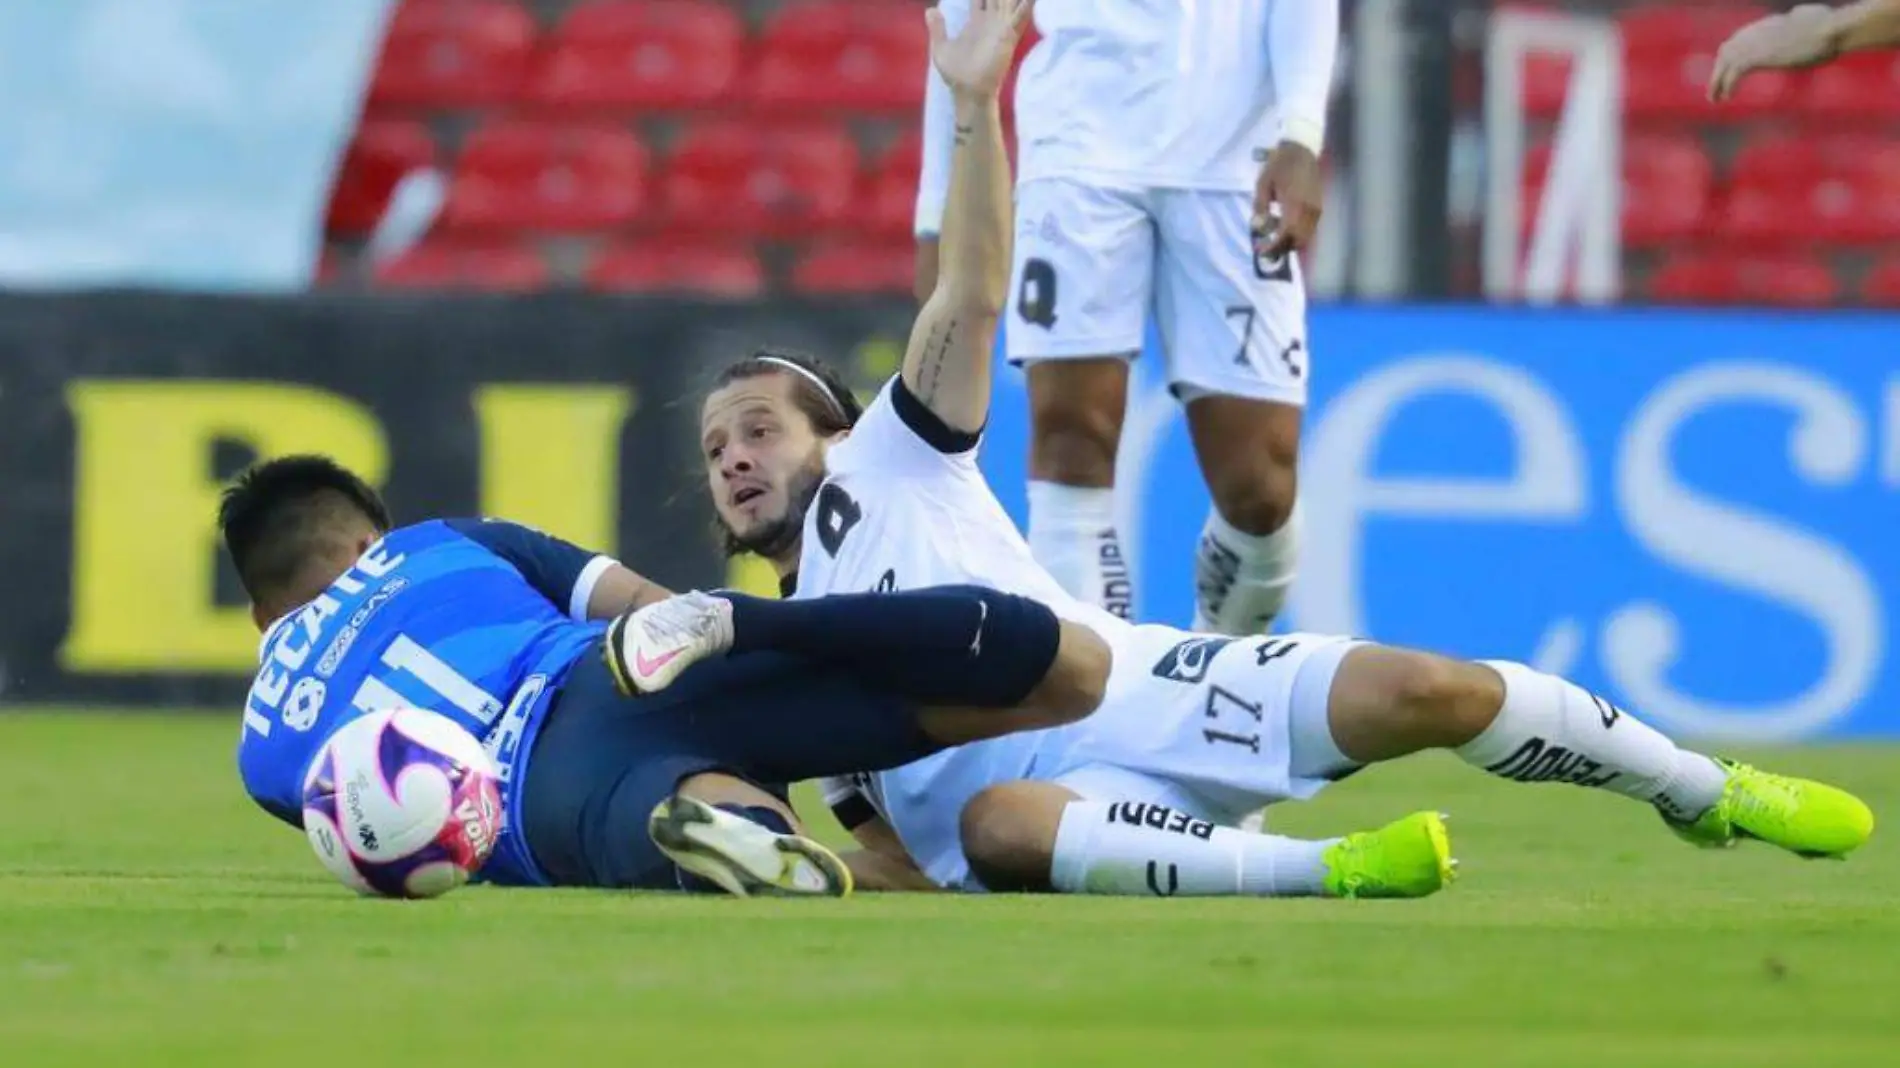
x=1808, y=36
x=1157, y=140
x=1194, y=730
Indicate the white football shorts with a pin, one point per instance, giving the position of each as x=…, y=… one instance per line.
x=1221, y=728
x=1092, y=260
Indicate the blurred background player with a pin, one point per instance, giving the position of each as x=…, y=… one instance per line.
x=1807, y=36
x=1142, y=135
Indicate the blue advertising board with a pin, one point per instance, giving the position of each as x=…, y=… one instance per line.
x=1697, y=514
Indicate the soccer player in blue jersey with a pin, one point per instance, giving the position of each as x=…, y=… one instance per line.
x=503, y=629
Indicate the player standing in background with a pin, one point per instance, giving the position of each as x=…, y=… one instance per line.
x=501, y=628
x=1142, y=130
x=1194, y=731
x=1808, y=36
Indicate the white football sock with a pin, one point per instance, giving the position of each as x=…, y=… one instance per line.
x=1551, y=730
x=1141, y=850
x=1072, y=534
x=1241, y=580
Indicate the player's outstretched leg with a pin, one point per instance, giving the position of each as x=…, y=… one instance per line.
x=745, y=851
x=1035, y=836
x=961, y=646
x=1526, y=726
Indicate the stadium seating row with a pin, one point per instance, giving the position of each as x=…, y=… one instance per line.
x=765, y=152
x=676, y=265
x=780, y=180
x=1669, y=50
x=724, y=267
x=1781, y=188
x=642, y=55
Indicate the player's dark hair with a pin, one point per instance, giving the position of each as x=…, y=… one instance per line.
x=277, y=514
x=827, y=402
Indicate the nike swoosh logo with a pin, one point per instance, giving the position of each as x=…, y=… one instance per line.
x=647, y=667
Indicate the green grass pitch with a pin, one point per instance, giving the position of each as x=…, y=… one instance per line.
x=148, y=915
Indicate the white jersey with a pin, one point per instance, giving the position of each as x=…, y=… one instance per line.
x=905, y=506
x=899, y=512
x=1172, y=94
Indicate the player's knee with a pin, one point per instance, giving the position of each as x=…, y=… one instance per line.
x=1077, y=682
x=1008, y=847
x=1444, y=701
x=1074, y=441
x=1255, y=491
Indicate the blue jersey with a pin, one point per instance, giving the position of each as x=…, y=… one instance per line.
x=477, y=620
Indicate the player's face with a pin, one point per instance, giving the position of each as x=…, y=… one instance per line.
x=763, y=462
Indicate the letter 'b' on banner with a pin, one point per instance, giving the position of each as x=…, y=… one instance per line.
x=145, y=537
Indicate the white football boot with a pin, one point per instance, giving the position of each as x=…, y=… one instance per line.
x=647, y=649
x=741, y=857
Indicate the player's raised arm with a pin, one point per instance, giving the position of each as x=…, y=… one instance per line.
x=1303, y=45
x=947, y=365
x=933, y=178
x=1807, y=36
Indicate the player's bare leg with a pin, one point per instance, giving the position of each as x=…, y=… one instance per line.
x=1249, y=549
x=1526, y=726
x=1039, y=836
x=728, y=834
x=1076, y=408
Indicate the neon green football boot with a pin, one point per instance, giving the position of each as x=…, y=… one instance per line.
x=1804, y=817
x=1410, y=858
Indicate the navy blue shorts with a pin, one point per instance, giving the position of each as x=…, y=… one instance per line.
x=602, y=761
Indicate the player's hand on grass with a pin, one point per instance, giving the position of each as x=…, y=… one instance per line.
x=1799, y=38
x=974, y=62
x=1292, y=182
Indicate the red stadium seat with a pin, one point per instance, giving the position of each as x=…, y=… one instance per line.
x=1546, y=84
x=643, y=54
x=721, y=269
x=1719, y=278
x=1667, y=181
x=385, y=150
x=449, y=265
x=856, y=269
x=891, y=199
x=1833, y=189
x=527, y=176
x=1858, y=87
x=1882, y=284
x=843, y=55
x=771, y=180
x=453, y=53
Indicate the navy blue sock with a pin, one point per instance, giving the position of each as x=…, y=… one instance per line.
x=953, y=645
x=769, y=818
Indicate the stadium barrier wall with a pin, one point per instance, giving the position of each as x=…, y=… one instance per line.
x=1693, y=512
x=121, y=415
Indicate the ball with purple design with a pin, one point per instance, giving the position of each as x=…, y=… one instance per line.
x=402, y=803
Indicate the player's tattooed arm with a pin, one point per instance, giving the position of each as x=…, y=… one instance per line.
x=947, y=364
x=933, y=178
x=621, y=590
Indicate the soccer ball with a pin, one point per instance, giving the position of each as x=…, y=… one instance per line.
x=402, y=803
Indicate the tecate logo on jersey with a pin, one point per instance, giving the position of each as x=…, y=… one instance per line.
x=1696, y=513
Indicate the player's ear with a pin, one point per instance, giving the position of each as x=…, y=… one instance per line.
x=838, y=437
x=257, y=617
